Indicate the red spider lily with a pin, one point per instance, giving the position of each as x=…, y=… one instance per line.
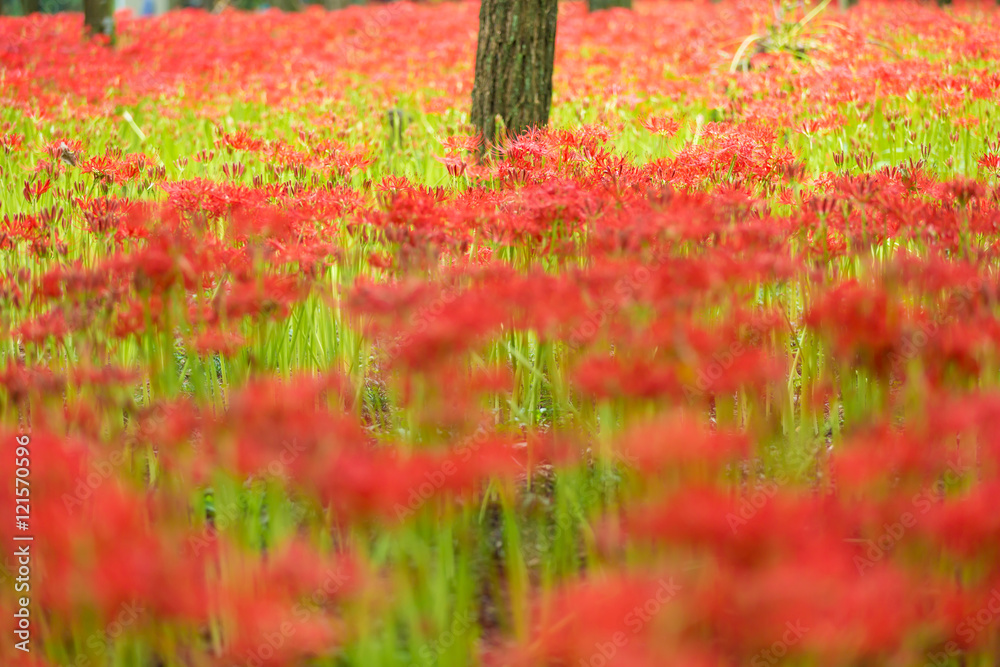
x=821, y=607
x=678, y=442
x=340, y=159
x=662, y=126
x=565, y=299
x=864, y=324
x=52, y=324
x=125, y=573
x=454, y=324
x=869, y=461
x=173, y=256
x=458, y=143
x=68, y=150
x=225, y=343
x=138, y=315
x=34, y=191
x=108, y=376
x=294, y=596
x=215, y=200
x=11, y=141
x=10, y=292
x=809, y=127
x=363, y=484
x=627, y=613
x=966, y=525
x=102, y=564
x=104, y=214
x=272, y=296
x=762, y=524
x=990, y=161
x=242, y=140
x=256, y=615
x=455, y=165
x=21, y=382
x=278, y=428
x=606, y=377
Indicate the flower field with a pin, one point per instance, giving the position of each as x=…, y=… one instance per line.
x=705, y=373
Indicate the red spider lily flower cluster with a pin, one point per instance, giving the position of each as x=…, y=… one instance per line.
x=705, y=373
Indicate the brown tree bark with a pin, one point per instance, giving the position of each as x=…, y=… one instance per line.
x=514, y=62
x=597, y=5
x=98, y=18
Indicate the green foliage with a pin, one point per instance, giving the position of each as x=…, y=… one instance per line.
x=785, y=34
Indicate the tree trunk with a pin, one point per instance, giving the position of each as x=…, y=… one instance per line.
x=30, y=6
x=98, y=18
x=514, y=61
x=597, y=5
